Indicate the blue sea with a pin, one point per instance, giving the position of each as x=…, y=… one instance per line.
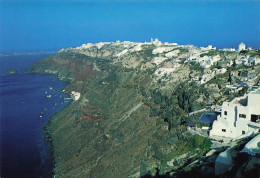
x=24, y=110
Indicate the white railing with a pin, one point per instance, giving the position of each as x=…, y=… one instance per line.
x=191, y=113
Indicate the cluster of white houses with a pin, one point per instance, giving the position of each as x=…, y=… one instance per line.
x=247, y=61
x=210, y=74
x=205, y=61
x=238, y=117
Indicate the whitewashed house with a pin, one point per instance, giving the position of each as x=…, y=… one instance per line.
x=207, y=48
x=136, y=48
x=238, y=117
x=75, y=95
x=228, y=49
x=128, y=44
x=156, y=42
x=254, y=60
x=85, y=46
x=238, y=61
x=241, y=47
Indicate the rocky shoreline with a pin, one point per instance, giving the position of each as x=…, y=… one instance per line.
x=48, y=139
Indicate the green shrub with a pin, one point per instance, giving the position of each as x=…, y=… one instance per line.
x=243, y=91
x=196, y=141
x=194, y=66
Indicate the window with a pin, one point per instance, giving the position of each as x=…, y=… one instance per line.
x=242, y=116
x=225, y=113
x=223, y=130
x=255, y=118
x=243, y=132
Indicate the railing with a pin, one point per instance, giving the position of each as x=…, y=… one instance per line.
x=191, y=113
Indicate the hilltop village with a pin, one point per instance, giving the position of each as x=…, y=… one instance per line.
x=154, y=108
x=168, y=57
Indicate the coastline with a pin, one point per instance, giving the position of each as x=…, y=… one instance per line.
x=48, y=136
x=47, y=133
x=48, y=139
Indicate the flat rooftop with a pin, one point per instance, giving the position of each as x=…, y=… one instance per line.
x=244, y=99
x=208, y=118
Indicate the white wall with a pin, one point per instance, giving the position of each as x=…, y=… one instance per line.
x=234, y=124
x=254, y=103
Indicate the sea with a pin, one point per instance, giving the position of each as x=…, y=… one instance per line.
x=27, y=102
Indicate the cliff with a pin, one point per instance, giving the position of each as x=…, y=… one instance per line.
x=130, y=120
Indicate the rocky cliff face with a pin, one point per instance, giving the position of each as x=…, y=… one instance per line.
x=129, y=120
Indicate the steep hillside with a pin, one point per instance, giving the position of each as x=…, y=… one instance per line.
x=132, y=115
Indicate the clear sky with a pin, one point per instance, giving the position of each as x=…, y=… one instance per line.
x=40, y=25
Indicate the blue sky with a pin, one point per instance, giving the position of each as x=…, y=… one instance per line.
x=51, y=25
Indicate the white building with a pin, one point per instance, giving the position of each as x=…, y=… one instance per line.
x=241, y=47
x=75, y=95
x=229, y=49
x=173, y=44
x=207, y=48
x=85, y=46
x=136, y=48
x=238, y=117
x=128, y=44
x=156, y=42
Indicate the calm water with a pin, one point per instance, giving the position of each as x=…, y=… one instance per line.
x=24, y=110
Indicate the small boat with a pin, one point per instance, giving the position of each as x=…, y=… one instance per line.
x=48, y=96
